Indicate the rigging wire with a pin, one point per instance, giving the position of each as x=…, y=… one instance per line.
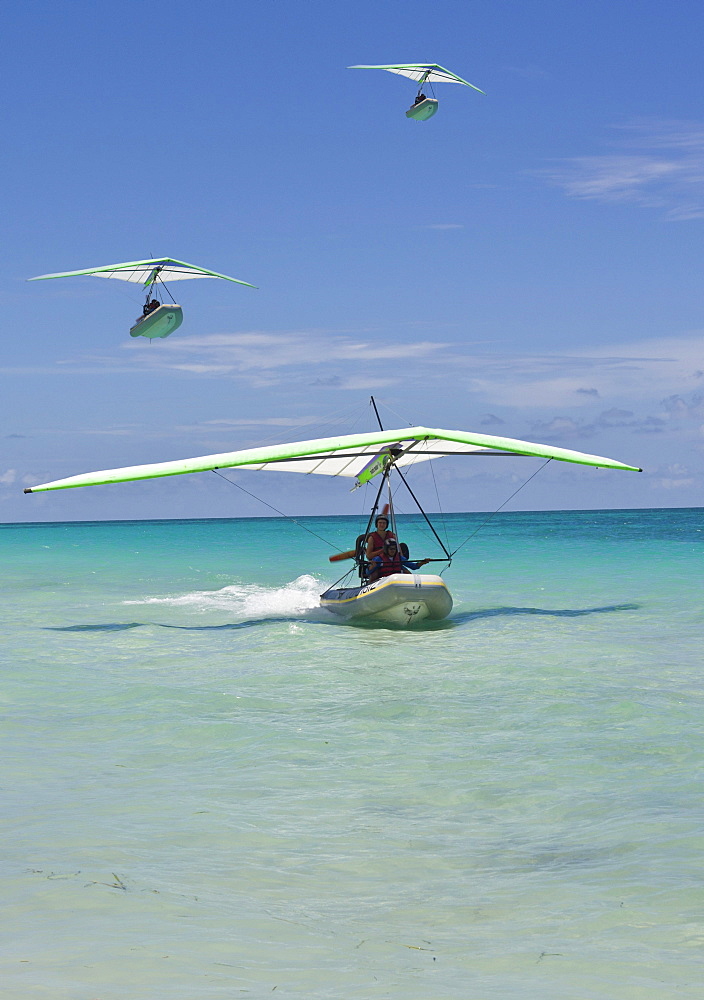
x=338, y=417
x=167, y=290
x=441, y=511
x=414, y=459
x=439, y=539
x=402, y=419
x=346, y=575
x=271, y=507
x=484, y=523
x=417, y=527
x=385, y=480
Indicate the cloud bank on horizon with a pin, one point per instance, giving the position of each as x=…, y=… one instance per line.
x=648, y=368
x=617, y=398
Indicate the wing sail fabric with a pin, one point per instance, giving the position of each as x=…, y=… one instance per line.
x=346, y=456
x=430, y=72
x=142, y=272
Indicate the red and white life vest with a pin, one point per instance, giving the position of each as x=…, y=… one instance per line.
x=378, y=541
x=389, y=565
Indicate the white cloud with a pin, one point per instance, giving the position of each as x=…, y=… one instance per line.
x=197, y=369
x=9, y=476
x=659, y=164
x=111, y=431
x=673, y=477
x=261, y=422
x=530, y=72
x=365, y=383
x=264, y=359
x=663, y=374
x=344, y=362
x=562, y=428
x=687, y=409
x=643, y=370
x=241, y=353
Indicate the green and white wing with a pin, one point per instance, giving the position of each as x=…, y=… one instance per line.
x=144, y=272
x=354, y=456
x=422, y=73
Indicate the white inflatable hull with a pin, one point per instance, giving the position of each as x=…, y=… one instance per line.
x=159, y=323
x=403, y=598
x=423, y=110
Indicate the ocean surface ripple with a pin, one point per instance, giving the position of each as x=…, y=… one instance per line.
x=213, y=788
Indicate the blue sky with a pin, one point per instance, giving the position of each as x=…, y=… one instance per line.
x=522, y=264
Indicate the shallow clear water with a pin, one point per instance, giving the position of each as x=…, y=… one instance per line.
x=213, y=789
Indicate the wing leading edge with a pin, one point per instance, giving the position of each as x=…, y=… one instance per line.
x=430, y=72
x=141, y=272
x=346, y=456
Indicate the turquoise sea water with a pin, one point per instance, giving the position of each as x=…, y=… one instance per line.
x=211, y=789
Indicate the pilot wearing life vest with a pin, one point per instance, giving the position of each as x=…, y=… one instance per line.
x=375, y=541
x=391, y=561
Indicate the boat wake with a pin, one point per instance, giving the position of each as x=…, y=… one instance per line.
x=248, y=600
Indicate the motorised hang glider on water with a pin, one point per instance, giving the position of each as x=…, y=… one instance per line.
x=423, y=73
x=398, y=596
x=158, y=319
